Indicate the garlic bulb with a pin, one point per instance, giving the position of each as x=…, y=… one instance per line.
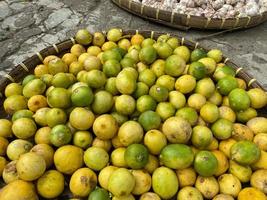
x=211, y=8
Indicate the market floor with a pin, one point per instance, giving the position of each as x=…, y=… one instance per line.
x=29, y=26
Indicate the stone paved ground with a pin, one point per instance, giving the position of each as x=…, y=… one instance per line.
x=28, y=26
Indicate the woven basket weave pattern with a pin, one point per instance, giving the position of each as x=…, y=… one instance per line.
x=184, y=22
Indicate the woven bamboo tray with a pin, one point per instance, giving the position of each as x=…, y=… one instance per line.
x=184, y=22
x=18, y=72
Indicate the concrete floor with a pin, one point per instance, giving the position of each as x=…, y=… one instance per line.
x=29, y=26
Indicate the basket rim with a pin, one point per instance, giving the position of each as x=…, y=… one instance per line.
x=21, y=70
x=187, y=21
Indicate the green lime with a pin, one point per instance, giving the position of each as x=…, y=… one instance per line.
x=183, y=52
x=239, y=99
x=59, y=98
x=227, y=84
x=198, y=70
x=189, y=192
x=60, y=135
x=222, y=129
x=81, y=118
x=189, y=114
x=133, y=53
x=155, y=141
x=40, y=116
x=245, y=115
x=57, y=65
x=258, y=97
x=197, y=54
x=147, y=76
x=136, y=156
x=165, y=183
x=121, y=182
x=34, y=87
x=196, y=101
x=165, y=110
x=159, y=93
x=148, y=55
x=185, y=84
x=83, y=37
x=205, y=163
x=173, y=42
x=209, y=112
x=141, y=66
x=148, y=42
x=216, y=98
x=96, y=158
x=82, y=139
x=177, y=156
x=120, y=118
x=110, y=54
x=130, y=72
x=82, y=96
x=245, y=152
x=163, y=38
x=114, y=34
x=61, y=80
x=201, y=137
x=126, y=81
x=111, y=68
x=209, y=63
x=205, y=87
x=111, y=86
x=145, y=103
x=166, y=81
x=177, y=99
x=125, y=104
x=77, y=85
x=103, y=102
x=24, y=128
x=15, y=103
x=149, y=120
x=216, y=54
x=99, y=194
x=121, y=51
x=141, y=89
x=13, y=89
x=224, y=71
x=175, y=65
x=27, y=79
x=95, y=78
x=55, y=116
x=127, y=62
x=158, y=67
x=22, y=114
x=164, y=50
x=47, y=79
x=124, y=44
x=92, y=62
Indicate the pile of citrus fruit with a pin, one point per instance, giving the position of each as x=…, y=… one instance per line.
x=124, y=117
